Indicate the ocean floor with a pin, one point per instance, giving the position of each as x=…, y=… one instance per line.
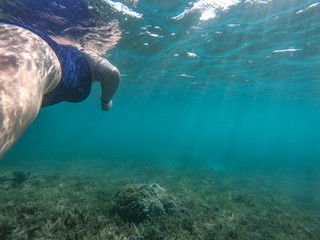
x=76, y=199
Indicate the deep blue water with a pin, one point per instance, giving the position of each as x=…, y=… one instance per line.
x=239, y=89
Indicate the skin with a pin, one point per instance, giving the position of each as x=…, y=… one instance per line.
x=104, y=72
x=29, y=69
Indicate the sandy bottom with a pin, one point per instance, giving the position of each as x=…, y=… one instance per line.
x=75, y=200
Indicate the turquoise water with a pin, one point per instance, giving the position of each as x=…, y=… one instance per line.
x=219, y=103
x=239, y=89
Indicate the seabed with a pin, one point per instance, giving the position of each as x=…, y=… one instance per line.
x=77, y=200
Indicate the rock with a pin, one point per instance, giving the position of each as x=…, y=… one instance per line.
x=137, y=202
x=13, y=179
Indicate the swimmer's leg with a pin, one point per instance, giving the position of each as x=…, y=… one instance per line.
x=28, y=69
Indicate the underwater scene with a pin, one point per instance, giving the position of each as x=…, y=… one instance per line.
x=214, y=131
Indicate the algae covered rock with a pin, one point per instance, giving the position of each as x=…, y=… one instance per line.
x=13, y=179
x=137, y=202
